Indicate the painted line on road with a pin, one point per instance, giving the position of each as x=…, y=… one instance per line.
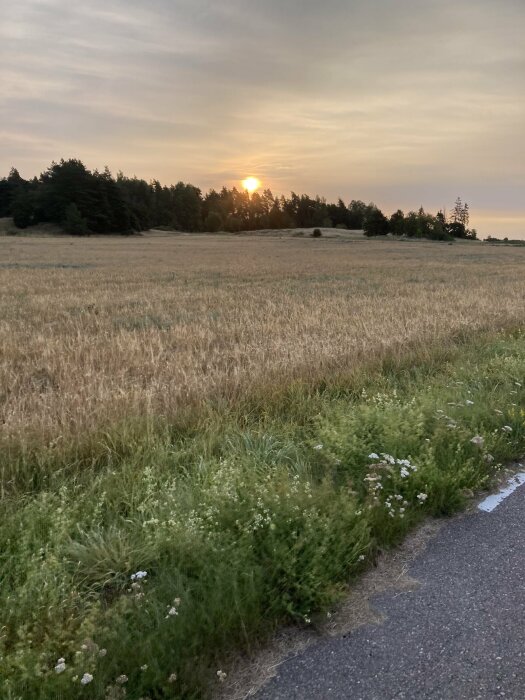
x=492, y=502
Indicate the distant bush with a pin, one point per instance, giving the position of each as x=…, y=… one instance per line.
x=317, y=233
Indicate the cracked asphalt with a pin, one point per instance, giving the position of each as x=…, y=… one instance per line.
x=460, y=635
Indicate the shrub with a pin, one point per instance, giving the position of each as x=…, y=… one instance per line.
x=317, y=233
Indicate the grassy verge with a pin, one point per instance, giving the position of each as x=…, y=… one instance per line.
x=249, y=521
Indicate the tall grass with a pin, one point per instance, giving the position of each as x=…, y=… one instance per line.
x=94, y=333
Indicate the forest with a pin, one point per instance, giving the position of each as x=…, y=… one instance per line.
x=86, y=202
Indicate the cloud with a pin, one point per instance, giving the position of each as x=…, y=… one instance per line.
x=366, y=98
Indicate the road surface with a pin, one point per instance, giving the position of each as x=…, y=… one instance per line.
x=459, y=635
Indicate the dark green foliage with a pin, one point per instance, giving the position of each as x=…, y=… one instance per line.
x=397, y=223
x=24, y=209
x=74, y=223
x=10, y=187
x=317, y=233
x=124, y=205
x=420, y=224
x=456, y=229
x=376, y=223
x=213, y=222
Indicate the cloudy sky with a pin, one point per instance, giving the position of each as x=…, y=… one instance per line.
x=403, y=102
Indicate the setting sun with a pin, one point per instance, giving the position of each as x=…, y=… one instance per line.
x=251, y=184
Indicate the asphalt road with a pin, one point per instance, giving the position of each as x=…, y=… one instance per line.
x=460, y=635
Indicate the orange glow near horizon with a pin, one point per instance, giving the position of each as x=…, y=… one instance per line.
x=251, y=184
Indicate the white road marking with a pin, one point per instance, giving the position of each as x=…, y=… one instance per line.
x=492, y=502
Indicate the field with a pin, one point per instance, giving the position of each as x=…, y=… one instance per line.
x=202, y=408
x=97, y=331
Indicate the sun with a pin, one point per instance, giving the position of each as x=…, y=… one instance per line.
x=251, y=184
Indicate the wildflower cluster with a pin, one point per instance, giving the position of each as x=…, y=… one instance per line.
x=173, y=609
x=137, y=580
x=386, y=469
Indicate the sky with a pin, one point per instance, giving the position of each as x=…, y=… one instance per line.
x=400, y=102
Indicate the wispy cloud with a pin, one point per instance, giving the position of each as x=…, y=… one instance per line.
x=391, y=100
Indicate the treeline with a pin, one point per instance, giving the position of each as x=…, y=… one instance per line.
x=84, y=201
x=421, y=224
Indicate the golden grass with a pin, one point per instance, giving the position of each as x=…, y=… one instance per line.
x=97, y=330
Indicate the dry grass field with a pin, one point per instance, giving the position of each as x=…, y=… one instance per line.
x=95, y=330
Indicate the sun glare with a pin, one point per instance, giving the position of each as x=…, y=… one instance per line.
x=251, y=184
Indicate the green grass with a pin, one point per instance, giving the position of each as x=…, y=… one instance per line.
x=255, y=518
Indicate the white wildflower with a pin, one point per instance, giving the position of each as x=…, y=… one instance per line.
x=468, y=402
x=172, y=678
x=84, y=647
x=489, y=459
x=144, y=667
x=139, y=575
x=361, y=557
x=318, y=447
x=422, y=497
x=102, y=652
x=221, y=675
x=122, y=679
x=61, y=666
x=507, y=429
x=86, y=678
x=373, y=456
x=478, y=440
x=404, y=472
x=498, y=412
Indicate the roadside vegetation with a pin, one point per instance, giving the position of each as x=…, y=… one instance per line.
x=197, y=448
